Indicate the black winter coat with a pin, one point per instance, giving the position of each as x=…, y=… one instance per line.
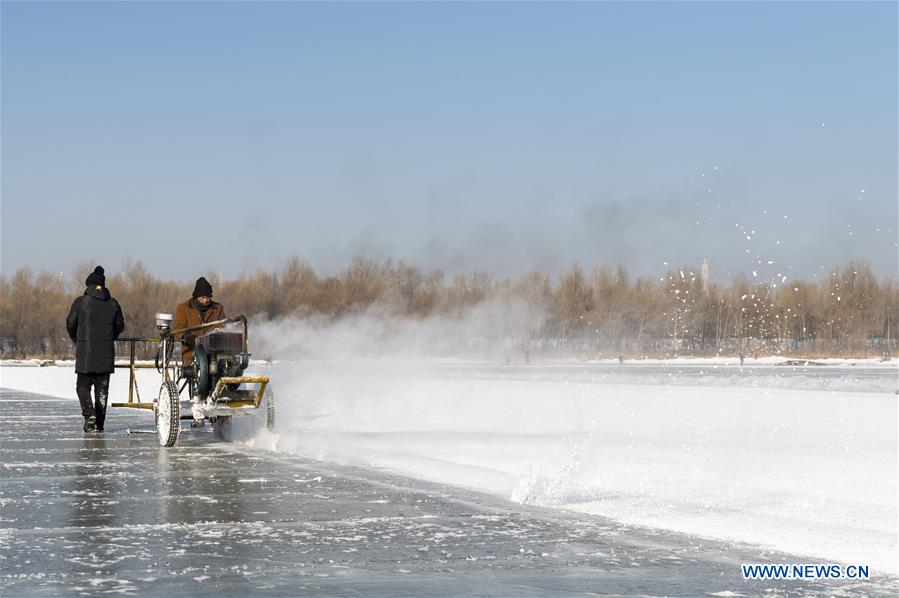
x=95, y=321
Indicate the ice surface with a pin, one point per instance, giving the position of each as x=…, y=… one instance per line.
x=115, y=513
x=802, y=460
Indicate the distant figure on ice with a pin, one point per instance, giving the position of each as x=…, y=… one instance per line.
x=741, y=358
x=199, y=309
x=94, y=322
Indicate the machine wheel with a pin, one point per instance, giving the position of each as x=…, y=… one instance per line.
x=269, y=409
x=168, y=414
x=201, y=372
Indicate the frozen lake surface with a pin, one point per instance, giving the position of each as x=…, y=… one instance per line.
x=114, y=513
x=795, y=460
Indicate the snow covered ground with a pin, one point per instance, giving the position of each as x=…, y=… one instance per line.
x=803, y=460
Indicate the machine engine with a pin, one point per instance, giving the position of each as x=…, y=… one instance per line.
x=218, y=355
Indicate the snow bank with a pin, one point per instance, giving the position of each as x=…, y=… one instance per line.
x=59, y=381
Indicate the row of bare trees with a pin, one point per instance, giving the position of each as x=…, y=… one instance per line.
x=603, y=312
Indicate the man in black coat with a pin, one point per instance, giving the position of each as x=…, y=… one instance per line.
x=94, y=322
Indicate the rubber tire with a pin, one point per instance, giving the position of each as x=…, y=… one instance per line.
x=168, y=414
x=269, y=409
x=201, y=372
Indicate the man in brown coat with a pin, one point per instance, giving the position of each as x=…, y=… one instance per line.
x=199, y=309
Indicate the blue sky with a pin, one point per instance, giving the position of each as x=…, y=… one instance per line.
x=502, y=137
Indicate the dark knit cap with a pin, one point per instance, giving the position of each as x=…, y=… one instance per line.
x=202, y=288
x=96, y=278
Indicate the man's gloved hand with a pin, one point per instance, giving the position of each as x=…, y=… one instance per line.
x=189, y=339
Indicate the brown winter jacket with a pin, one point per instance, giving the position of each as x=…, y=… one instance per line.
x=188, y=314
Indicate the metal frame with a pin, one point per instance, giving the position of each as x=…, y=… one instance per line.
x=133, y=390
x=215, y=406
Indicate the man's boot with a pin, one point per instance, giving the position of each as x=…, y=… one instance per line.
x=90, y=424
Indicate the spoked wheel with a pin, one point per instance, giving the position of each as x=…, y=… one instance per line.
x=269, y=409
x=168, y=414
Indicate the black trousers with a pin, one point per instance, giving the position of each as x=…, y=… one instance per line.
x=97, y=406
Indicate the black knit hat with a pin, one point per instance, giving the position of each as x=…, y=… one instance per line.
x=96, y=278
x=202, y=288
